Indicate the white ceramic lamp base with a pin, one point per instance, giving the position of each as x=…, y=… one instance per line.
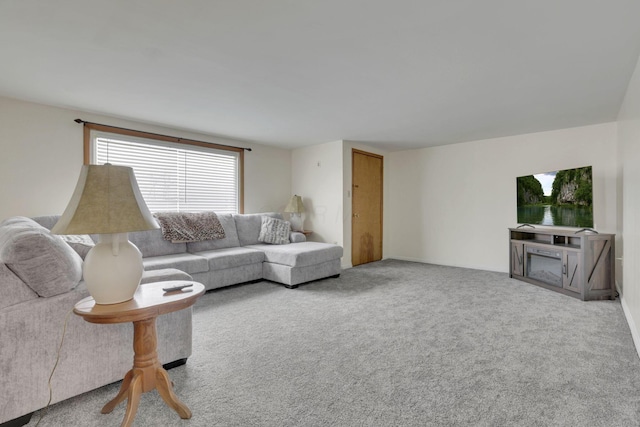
x=296, y=221
x=112, y=269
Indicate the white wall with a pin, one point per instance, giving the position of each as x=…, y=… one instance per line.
x=42, y=151
x=629, y=155
x=452, y=204
x=267, y=178
x=41, y=158
x=317, y=178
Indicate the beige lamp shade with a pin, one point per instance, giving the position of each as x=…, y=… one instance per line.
x=295, y=205
x=106, y=200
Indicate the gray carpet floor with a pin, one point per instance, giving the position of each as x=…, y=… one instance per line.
x=394, y=343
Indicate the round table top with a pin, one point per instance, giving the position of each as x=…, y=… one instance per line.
x=149, y=301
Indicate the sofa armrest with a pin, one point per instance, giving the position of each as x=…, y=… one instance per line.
x=12, y=289
x=296, y=237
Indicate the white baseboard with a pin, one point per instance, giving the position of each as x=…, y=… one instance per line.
x=632, y=324
x=403, y=258
x=469, y=267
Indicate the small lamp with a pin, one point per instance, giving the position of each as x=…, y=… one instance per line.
x=108, y=202
x=295, y=208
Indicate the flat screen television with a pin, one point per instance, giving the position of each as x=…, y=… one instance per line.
x=558, y=198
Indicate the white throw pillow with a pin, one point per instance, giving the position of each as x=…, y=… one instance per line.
x=275, y=231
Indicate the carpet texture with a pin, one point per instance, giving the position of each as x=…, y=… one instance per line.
x=394, y=343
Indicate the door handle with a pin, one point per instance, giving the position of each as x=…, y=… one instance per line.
x=356, y=215
x=564, y=269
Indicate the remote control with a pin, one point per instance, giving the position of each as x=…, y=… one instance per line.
x=176, y=288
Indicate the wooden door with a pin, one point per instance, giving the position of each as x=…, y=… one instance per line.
x=366, y=221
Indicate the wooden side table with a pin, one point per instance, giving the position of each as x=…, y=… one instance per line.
x=147, y=373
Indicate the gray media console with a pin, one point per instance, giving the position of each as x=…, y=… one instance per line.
x=579, y=264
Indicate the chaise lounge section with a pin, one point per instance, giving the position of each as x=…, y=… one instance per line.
x=292, y=264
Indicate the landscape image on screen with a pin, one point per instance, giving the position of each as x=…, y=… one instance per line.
x=558, y=198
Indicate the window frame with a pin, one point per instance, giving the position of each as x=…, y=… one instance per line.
x=91, y=129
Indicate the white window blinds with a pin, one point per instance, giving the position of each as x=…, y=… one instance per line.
x=175, y=177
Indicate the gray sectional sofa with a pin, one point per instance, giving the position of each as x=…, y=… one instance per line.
x=40, y=281
x=240, y=257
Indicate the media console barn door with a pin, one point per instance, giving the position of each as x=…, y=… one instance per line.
x=571, y=279
x=517, y=259
x=579, y=264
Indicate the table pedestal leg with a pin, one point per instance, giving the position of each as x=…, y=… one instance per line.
x=166, y=392
x=122, y=394
x=135, y=390
x=147, y=374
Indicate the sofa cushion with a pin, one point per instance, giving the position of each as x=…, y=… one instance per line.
x=151, y=244
x=40, y=259
x=188, y=263
x=81, y=243
x=220, y=259
x=230, y=239
x=275, y=231
x=163, y=275
x=249, y=225
x=300, y=254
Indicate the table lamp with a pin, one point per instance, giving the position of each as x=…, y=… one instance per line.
x=108, y=202
x=295, y=208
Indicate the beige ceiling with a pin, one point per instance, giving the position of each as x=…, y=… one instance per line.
x=395, y=74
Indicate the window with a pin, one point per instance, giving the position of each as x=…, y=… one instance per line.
x=175, y=176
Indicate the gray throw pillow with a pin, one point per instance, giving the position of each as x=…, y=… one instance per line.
x=40, y=259
x=274, y=231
